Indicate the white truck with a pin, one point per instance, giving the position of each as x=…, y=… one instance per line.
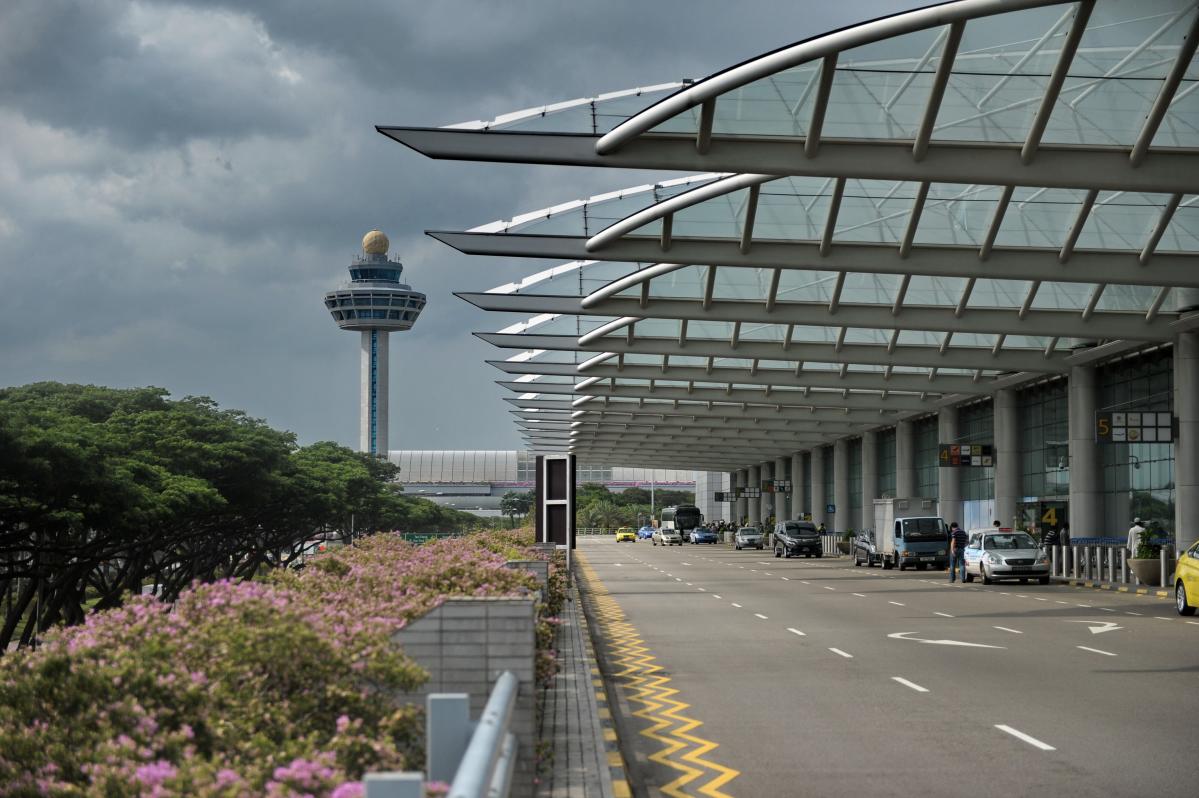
x=909, y=532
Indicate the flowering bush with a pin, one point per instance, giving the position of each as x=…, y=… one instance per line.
x=276, y=688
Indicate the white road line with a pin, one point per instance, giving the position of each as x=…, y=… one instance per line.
x=943, y=614
x=1005, y=629
x=715, y=596
x=1134, y=613
x=1058, y=602
x=735, y=604
x=795, y=631
x=1088, y=606
x=1162, y=618
x=677, y=579
x=802, y=582
x=1020, y=596
x=755, y=570
x=1193, y=623
x=1096, y=651
x=760, y=615
x=1019, y=735
x=860, y=595
x=689, y=585
x=912, y=685
x=897, y=604
x=826, y=587
x=1107, y=609
x=841, y=653
x=785, y=579
x=768, y=573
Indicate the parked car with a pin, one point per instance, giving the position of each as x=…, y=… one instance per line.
x=993, y=556
x=1186, y=581
x=701, y=534
x=645, y=533
x=865, y=550
x=626, y=533
x=797, y=537
x=667, y=537
x=748, y=537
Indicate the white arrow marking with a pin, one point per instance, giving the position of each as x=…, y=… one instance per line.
x=904, y=636
x=1105, y=626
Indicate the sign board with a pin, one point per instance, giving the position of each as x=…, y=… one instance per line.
x=1144, y=427
x=723, y=496
x=955, y=455
x=749, y=493
x=830, y=508
x=776, y=486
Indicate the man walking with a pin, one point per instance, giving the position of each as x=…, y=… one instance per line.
x=1134, y=537
x=957, y=551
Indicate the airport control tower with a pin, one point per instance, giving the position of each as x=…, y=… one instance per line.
x=375, y=303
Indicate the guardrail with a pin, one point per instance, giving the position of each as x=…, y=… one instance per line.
x=1105, y=560
x=479, y=756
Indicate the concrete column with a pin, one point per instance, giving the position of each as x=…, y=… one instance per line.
x=1007, y=457
x=373, y=435
x=780, y=499
x=869, y=478
x=729, y=509
x=1186, y=448
x=817, y=478
x=905, y=460
x=766, y=503
x=797, y=483
x=1086, y=483
x=754, y=506
x=841, y=518
x=948, y=479
x=741, y=507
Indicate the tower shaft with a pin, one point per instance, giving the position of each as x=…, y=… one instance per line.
x=373, y=437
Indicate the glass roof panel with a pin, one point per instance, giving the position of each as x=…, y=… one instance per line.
x=685, y=283
x=1039, y=217
x=1183, y=233
x=989, y=293
x=736, y=282
x=763, y=332
x=803, y=285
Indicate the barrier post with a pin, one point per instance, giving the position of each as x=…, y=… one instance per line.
x=1111, y=563
x=1053, y=558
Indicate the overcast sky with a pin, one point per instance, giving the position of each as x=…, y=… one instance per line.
x=181, y=182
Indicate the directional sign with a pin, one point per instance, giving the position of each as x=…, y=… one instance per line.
x=907, y=636
x=1103, y=626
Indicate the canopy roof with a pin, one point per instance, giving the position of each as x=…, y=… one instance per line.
x=907, y=213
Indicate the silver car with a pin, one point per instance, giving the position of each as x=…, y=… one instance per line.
x=992, y=556
x=748, y=537
x=667, y=537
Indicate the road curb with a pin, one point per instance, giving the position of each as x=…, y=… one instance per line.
x=1132, y=591
x=611, y=736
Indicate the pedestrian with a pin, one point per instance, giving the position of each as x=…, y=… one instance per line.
x=957, y=551
x=996, y=525
x=1063, y=537
x=821, y=529
x=1134, y=537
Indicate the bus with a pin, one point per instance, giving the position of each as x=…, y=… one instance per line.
x=682, y=518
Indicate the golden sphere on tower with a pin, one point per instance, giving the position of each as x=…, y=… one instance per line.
x=375, y=243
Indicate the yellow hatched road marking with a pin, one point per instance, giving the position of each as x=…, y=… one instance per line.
x=640, y=677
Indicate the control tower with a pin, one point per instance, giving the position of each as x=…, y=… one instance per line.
x=375, y=303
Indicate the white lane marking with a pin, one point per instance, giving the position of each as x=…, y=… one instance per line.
x=841, y=653
x=1019, y=735
x=785, y=579
x=1088, y=606
x=677, y=579
x=943, y=614
x=760, y=615
x=860, y=595
x=1005, y=629
x=1107, y=609
x=715, y=596
x=686, y=563
x=617, y=564
x=1004, y=594
x=700, y=588
x=754, y=570
x=802, y=582
x=1100, y=627
x=912, y=685
x=1019, y=596
x=1059, y=602
x=768, y=573
x=1162, y=618
x=1134, y=613
x=1193, y=623
x=795, y=631
x=826, y=587
x=670, y=574
x=735, y=604
x=1096, y=651
x=906, y=636
x=897, y=604
x=689, y=584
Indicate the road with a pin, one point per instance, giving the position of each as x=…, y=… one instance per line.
x=818, y=678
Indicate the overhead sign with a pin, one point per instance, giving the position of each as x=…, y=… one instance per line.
x=1156, y=427
x=725, y=496
x=955, y=455
x=749, y=493
x=776, y=486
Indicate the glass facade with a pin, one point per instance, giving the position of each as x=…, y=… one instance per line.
x=924, y=445
x=1042, y=412
x=885, y=487
x=976, y=424
x=1138, y=478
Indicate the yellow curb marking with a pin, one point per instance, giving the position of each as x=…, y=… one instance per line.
x=637, y=672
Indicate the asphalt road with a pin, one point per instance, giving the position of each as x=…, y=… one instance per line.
x=899, y=683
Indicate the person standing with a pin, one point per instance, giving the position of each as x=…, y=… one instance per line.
x=1134, y=537
x=957, y=551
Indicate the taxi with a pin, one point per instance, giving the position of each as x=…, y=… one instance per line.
x=626, y=533
x=1186, y=581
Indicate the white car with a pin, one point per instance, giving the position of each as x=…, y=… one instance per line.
x=992, y=556
x=667, y=537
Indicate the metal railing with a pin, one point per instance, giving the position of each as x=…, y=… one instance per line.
x=1104, y=560
x=476, y=758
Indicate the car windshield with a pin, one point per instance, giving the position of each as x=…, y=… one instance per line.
x=749, y=530
x=801, y=529
x=918, y=529
x=1014, y=540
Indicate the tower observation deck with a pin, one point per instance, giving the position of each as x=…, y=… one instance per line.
x=375, y=303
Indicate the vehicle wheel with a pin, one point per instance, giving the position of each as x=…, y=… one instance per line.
x=1180, y=600
x=1024, y=581
x=1044, y=580
x=738, y=548
x=761, y=547
x=967, y=577
x=778, y=552
x=857, y=561
x=884, y=563
x=819, y=554
x=986, y=576
x=920, y=566
x=899, y=563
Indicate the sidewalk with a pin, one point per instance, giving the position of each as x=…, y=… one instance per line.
x=1119, y=587
x=586, y=760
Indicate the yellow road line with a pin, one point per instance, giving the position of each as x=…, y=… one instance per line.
x=637, y=674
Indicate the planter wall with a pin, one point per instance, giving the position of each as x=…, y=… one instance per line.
x=1148, y=571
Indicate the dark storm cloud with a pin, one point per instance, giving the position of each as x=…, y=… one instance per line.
x=180, y=182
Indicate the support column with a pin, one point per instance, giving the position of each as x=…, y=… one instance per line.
x=818, y=515
x=948, y=479
x=869, y=478
x=754, y=506
x=1007, y=457
x=905, y=460
x=780, y=499
x=766, y=503
x=1086, y=485
x=1186, y=448
x=372, y=431
x=797, y=483
x=729, y=509
x=741, y=507
x=842, y=516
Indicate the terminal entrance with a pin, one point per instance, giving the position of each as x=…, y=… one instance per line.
x=1045, y=515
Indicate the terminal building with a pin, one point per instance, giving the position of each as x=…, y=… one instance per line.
x=475, y=481
x=949, y=253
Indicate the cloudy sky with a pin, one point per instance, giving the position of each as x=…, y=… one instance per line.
x=181, y=181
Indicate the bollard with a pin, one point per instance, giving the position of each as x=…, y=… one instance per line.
x=1123, y=566
x=1161, y=559
x=394, y=785
x=447, y=733
x=1073, y=561
x=1111, y=564
x=1053, y=558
